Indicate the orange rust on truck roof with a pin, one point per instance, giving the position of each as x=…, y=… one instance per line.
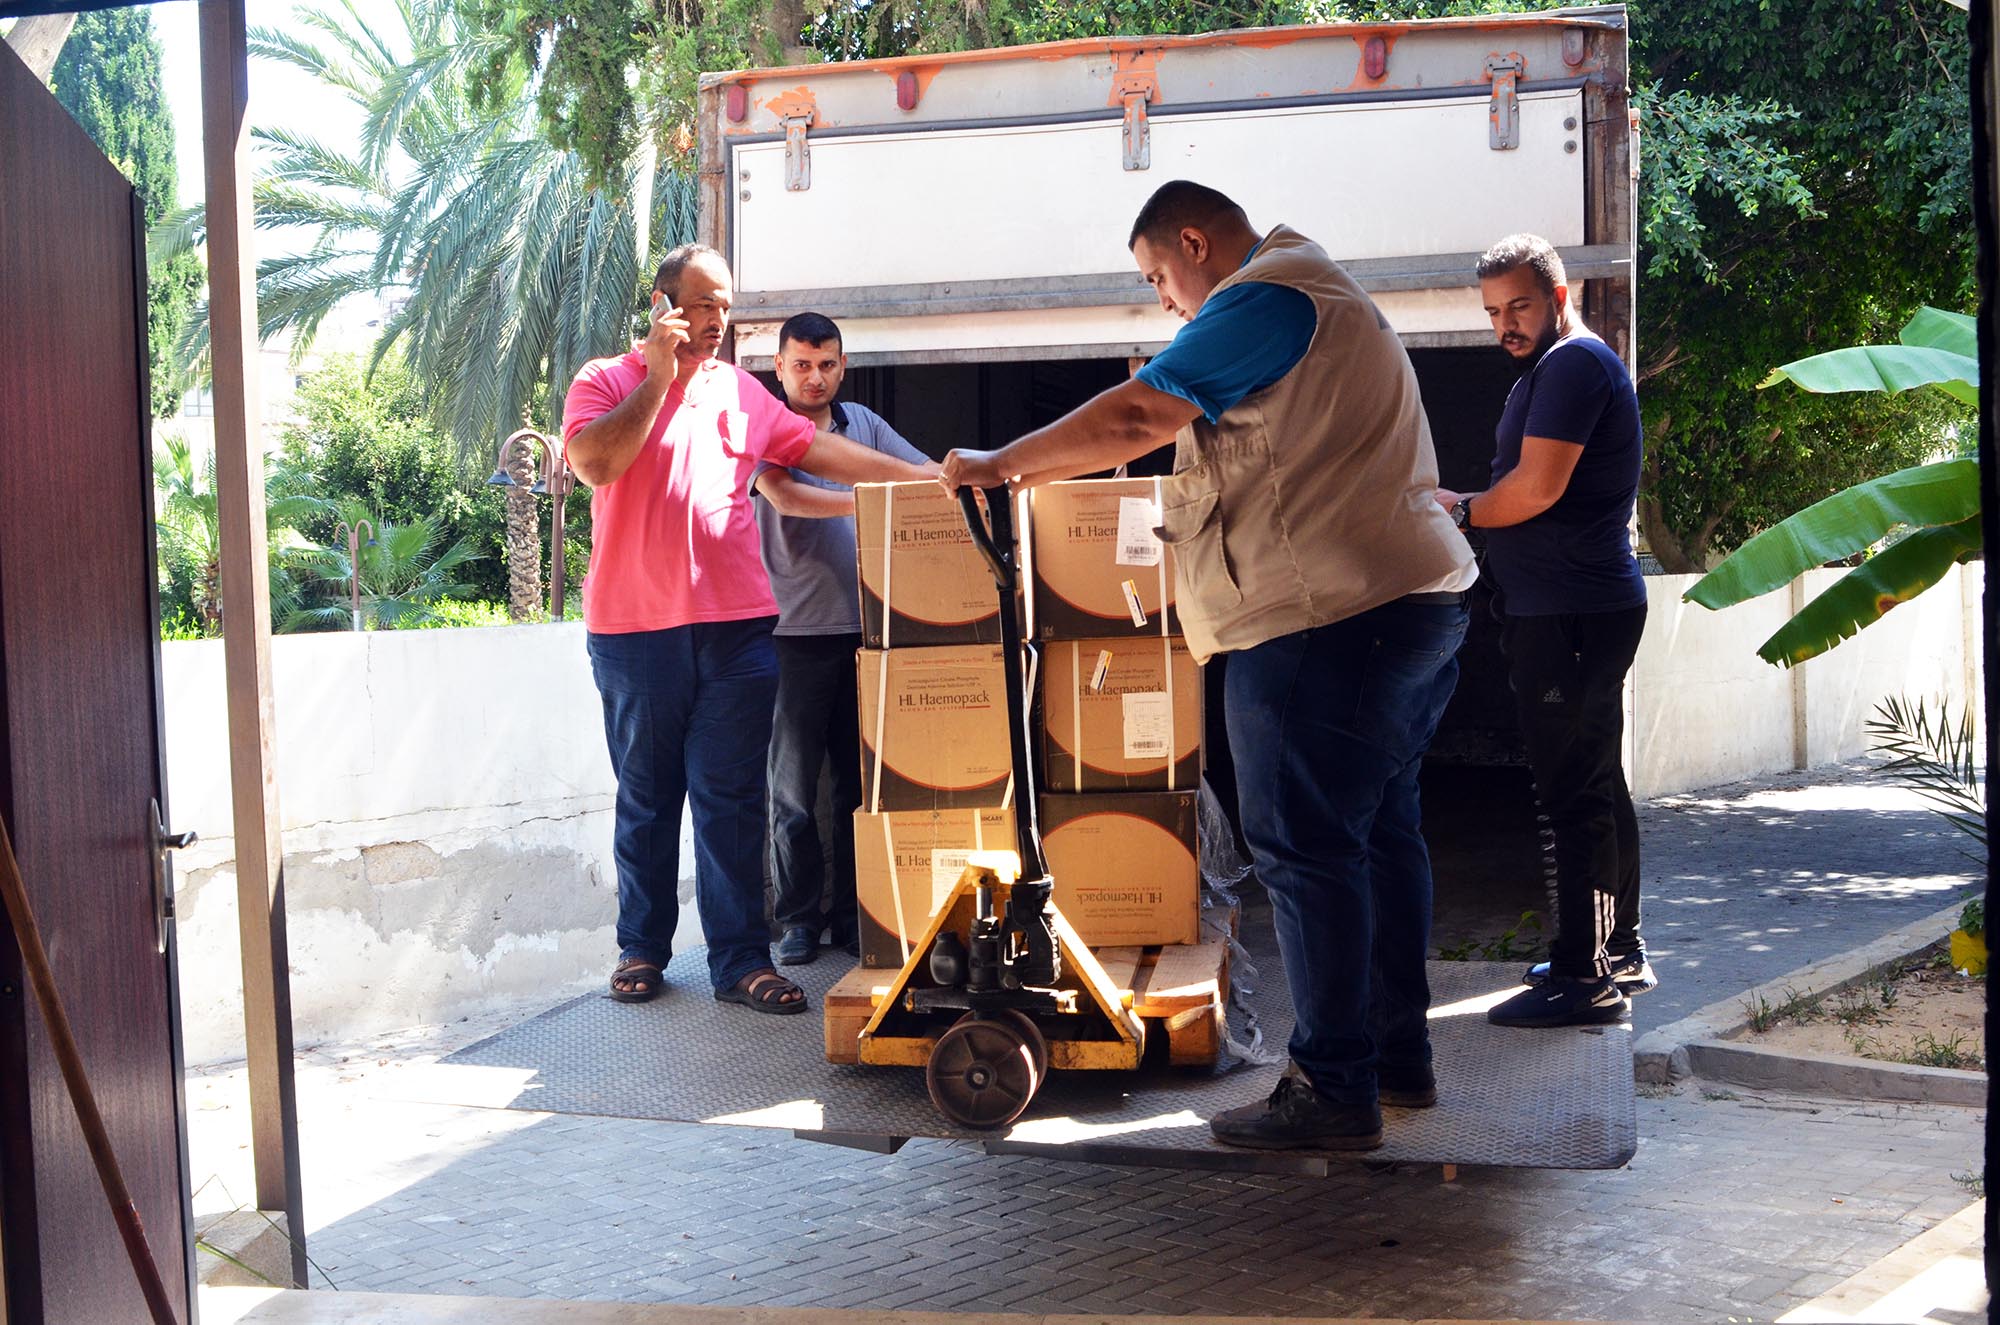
x=926, y=67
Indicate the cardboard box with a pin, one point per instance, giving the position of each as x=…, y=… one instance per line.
x=1121, y=715
x=933, y=728
x=922, y=580
x=1097, y=569
x=904, y=866
x=1126, y=867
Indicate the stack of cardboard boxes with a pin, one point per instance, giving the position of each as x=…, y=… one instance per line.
x=1120, y=708
x=1121, y=714
x=936, y=776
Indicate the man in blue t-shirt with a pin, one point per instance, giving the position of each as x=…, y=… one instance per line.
x=1559, y=551
x=806, y=525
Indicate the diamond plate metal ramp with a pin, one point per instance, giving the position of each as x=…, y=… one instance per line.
x=1506, y=1098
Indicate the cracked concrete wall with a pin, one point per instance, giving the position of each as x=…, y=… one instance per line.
x=445, y=799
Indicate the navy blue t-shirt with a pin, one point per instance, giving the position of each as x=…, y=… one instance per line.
x=1577, y=555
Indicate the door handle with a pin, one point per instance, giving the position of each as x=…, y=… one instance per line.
x=163, y=842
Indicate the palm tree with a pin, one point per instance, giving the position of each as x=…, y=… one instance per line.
x=402, y=577
x=505, y=270
x=190, y=535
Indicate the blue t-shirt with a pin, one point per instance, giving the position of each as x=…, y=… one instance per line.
x=1241, y=341
x=1577, y=555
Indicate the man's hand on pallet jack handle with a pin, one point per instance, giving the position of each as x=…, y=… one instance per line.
x=1110, y=429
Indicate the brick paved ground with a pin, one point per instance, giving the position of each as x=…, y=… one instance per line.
x=1743, y=1206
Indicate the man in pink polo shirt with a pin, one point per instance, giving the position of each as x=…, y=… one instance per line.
x=679, y=613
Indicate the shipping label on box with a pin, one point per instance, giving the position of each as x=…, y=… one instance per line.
x=1126, y=866
x=906, y=864
x=922, y=580
x=933, y=728
x=1121, y=715
x=1098, y=570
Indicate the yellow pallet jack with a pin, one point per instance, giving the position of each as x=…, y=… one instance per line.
x=999, y=990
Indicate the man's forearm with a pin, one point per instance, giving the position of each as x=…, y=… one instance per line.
x=1102, y=433
x=832, y=456
x=788, y=496
x=605, y=448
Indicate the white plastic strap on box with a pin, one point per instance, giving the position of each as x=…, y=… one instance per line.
x=881, y=720
x=1076, y=711
x=1167, y=648
x=896, y=889
x=888, y=557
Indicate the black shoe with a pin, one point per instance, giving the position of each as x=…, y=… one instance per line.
x=1562, y=1002
x=1633, y=974
x=1406, y=1087
x=799, y=946
x=1296, y=1117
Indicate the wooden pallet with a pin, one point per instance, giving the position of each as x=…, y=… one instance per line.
x=1179, y=990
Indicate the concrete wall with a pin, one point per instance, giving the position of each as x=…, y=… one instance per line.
x=446, y=804
x=446, y=798
x=1706, y=709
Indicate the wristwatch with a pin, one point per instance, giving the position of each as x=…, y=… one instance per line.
x=1461, y=513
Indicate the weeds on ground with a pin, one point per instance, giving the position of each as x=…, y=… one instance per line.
x=1973, y=1183
x=1509, y=946
x=1926, y=1050
x=1794, y=1007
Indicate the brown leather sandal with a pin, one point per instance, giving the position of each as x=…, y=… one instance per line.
x=765, y=991
x=641, y=980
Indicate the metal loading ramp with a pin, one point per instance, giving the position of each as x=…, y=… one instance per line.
x=1507, y=1098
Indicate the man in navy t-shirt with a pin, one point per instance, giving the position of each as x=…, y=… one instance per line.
x=1559, y=551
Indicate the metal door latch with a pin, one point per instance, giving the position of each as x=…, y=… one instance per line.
x=163, y=902
x=1137, y=85
x=1503, y=110
x=798, y=156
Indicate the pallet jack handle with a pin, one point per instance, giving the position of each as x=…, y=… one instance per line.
x=993, y=534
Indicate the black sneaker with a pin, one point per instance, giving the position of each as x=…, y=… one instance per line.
x=799, y=946
x=1562, y=1002
x=1296, y=1117
x=1632, y=974
x=1407, y=1087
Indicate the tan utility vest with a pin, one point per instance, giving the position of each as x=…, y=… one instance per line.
x=1311, y=501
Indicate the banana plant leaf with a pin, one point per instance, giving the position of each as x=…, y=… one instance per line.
x=1940, y=330
x=1856, y=518
x=1895, y=575
x=1888, y=368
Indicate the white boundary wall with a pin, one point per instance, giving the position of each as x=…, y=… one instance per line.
x=446, y=798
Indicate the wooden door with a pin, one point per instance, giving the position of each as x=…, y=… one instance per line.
x=80, y=756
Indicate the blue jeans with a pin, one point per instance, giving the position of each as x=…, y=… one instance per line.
x=1328, y=728
x=687, y=715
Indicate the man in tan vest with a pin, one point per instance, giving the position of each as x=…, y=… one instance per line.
x=1309, y=548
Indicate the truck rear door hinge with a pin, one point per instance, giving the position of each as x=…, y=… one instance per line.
x=1503, y=114
x=1137, y=85
x=798, y=154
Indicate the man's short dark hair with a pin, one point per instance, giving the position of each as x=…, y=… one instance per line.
x=1182, y=204
x=814, y=329
x=1525, y=250
x=667, y=279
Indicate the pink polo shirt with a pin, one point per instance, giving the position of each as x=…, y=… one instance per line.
x=674, y=538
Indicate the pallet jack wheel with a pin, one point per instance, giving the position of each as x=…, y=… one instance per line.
x=983, y=1073
x=1032, y=1033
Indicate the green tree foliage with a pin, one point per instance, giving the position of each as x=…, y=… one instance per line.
x=369, y=439
x=190, y=537
x=405, y=572
x=108, y=78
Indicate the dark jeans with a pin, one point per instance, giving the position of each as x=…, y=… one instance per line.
x=816, y=720
x=687, y=714
x=1219, y=769
x=1328, y=727
x=1568, y=674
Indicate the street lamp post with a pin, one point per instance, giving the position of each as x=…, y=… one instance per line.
x=555, y=481
x=352, y=533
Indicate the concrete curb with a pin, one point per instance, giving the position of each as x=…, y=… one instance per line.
x=1666, y=1054
x=1739, y=1064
